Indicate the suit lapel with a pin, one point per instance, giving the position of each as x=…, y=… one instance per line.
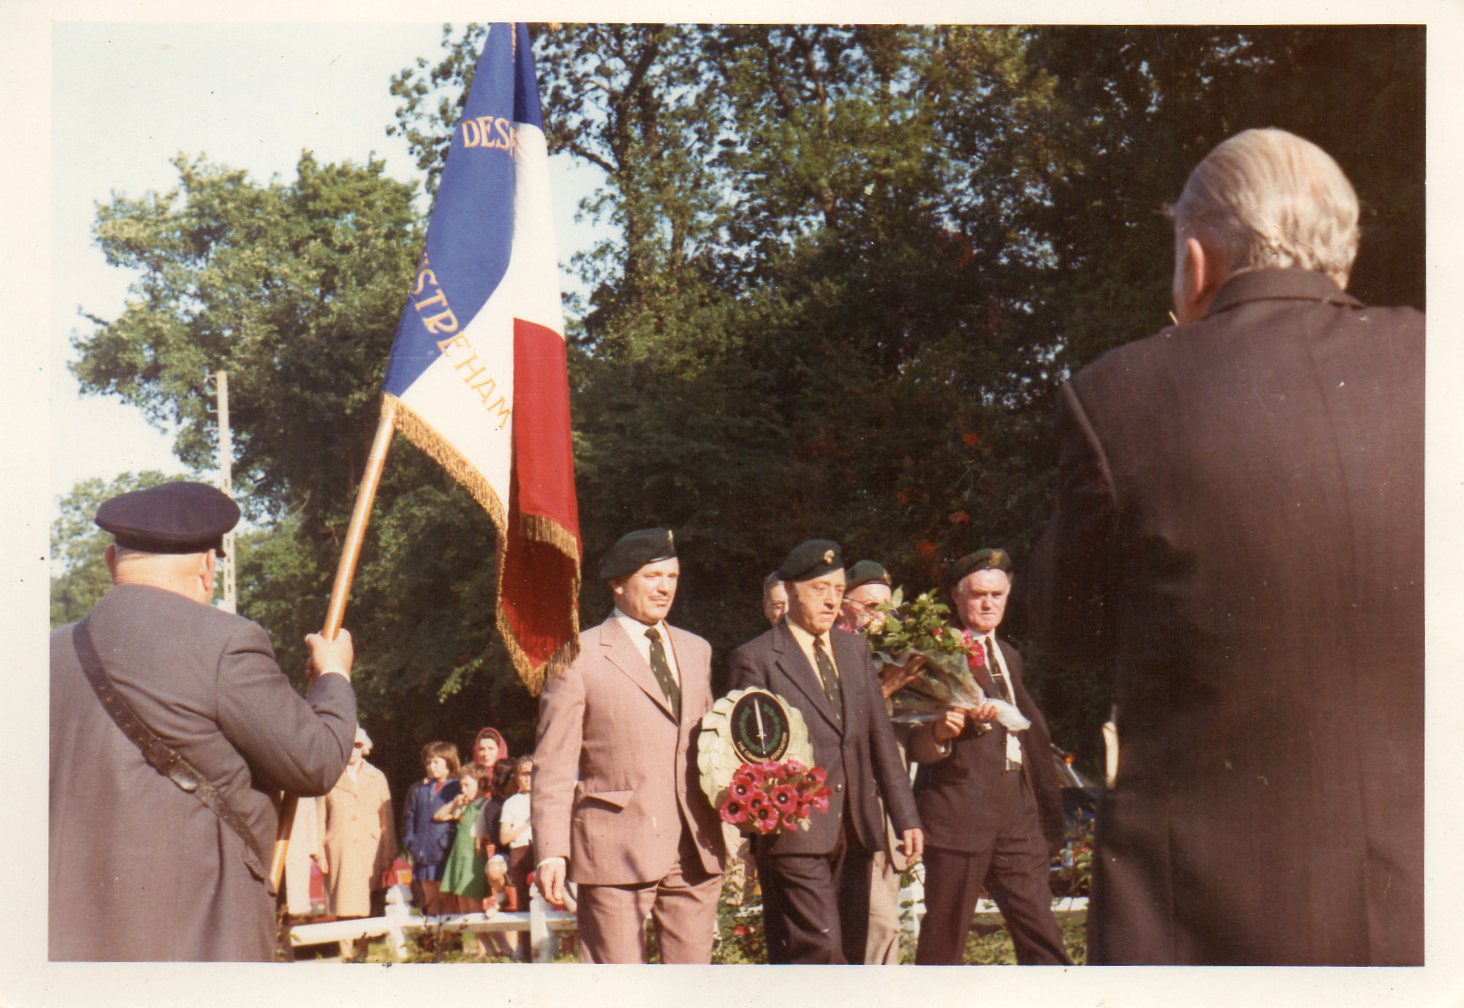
x=796, y=669
x=847, y=649
x=622, y=653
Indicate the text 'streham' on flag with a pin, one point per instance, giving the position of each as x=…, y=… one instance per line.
x=478, y=367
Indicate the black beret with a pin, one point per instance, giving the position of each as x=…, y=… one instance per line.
x=983, y=559
x=811, y=559
x=170, y=518
x=636, y=549
x=865, y=572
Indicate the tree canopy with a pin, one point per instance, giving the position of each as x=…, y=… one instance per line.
x=848, y=268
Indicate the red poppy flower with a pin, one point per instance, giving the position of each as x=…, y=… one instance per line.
x=790, y=820
x=765, y=818
x=733, y=811
x=784, y=797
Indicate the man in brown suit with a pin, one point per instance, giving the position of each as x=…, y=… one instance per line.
x=141, y=869
x=616, y=806
x=1239, y=527
x=816, y=881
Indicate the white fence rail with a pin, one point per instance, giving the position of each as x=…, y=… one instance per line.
x=544, y=926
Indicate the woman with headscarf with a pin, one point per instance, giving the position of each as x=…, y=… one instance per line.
x=489, y=749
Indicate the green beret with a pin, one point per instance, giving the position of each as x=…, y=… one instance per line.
x=865, y=572
x=983, y=559
x=811, y=559
x=170, y=518
x=636, y=549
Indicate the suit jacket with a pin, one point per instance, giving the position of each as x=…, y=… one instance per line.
x=140, y=869
x=1239, y=525
x=864, y=763
x=956, y=793
x=615, y=778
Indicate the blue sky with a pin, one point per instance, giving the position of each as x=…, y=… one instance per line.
x=127, y=97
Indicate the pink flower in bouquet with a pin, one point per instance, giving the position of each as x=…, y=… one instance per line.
x=734, y=811
x=741, y=789
x=770, y=770
x=820, y=799
x=791, y=820
x=765, y=818
x=793, y=768
x=815, y=778
x=784, y=797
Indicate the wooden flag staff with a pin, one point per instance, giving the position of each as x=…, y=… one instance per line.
x=340, y=591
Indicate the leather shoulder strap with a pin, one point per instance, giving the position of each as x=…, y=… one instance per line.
x=160, y=756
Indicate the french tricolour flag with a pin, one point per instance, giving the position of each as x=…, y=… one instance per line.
x=478, y=367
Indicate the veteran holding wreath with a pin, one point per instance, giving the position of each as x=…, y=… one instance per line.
x=616, y=807
x=816, y=880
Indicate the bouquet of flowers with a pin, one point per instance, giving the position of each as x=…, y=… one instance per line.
x=767, y=797
x=921, y=627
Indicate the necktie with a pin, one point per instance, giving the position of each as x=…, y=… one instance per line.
x=998, y=677
x=830, y=678
x=662, y=669
x=1003, y=692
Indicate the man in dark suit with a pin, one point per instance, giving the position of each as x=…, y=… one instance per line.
x=141, y=869
x=1239, y=527
x=616, y=805
x=990, y=799
x=816, y=881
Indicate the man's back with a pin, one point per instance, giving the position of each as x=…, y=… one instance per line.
x=140, y=869
x=1249, y=543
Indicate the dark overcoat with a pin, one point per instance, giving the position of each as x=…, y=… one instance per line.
x=1239, y=525
x=861, y=756
x=140, y=869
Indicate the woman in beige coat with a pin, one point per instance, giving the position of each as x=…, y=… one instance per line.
x=360, y=839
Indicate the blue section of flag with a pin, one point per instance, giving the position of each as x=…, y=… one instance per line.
x=470, y=232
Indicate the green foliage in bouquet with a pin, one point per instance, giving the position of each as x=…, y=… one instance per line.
x=921, y=625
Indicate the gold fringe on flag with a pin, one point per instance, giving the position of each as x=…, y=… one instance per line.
x=535, y=527
x=426, y=437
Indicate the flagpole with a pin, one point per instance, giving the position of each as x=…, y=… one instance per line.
x=340, y=592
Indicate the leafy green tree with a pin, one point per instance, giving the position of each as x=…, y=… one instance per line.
x=848, y=267
x=78, y=545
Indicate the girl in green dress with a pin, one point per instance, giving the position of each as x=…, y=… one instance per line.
x=463, y=871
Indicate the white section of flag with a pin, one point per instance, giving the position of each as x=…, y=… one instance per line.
x=533, y=270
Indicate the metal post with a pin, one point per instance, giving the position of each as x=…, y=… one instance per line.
x=230, y=601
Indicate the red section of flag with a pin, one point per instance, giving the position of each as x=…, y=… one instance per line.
x=543, y=459
x=539, y=574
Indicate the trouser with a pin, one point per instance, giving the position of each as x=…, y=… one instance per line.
x=816, y=906
x=882, y=945
x=683, y=909
x=1014, y=870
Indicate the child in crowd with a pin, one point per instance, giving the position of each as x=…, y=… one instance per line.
x=426, y=839
x=463, y=869
x=515, y=834
x=488, y=829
